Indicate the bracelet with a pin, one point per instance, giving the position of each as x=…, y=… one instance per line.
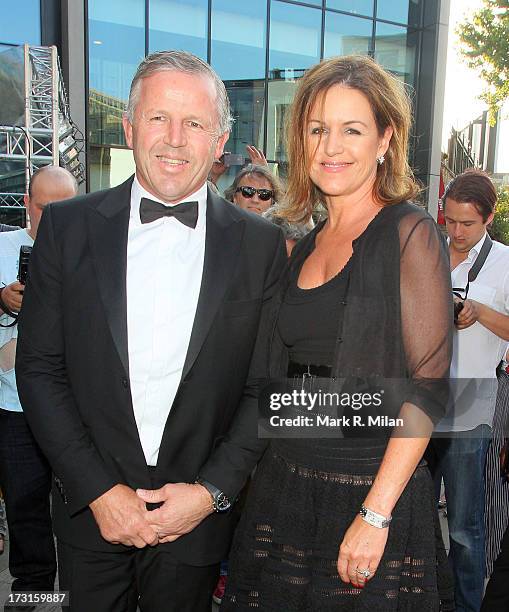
x=373, y=518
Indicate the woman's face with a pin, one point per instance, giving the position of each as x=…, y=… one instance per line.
x=343, y=143
x=254, y=203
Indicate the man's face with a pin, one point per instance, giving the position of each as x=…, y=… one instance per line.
x=45, y=190
x=465, y=225
x=254, y=203
x=174, y=135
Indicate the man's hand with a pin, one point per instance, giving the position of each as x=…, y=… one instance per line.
x=12, y=296
x=256, y=156
x=120, y=515
x=184, y=507
x=496, y=322
x=469, y=314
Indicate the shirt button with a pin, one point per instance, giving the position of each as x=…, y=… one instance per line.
x=125, y=383
x=339, y=340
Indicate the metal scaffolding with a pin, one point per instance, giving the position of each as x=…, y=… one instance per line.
x=48, y=135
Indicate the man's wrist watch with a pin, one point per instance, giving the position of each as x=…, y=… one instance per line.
x=220, y=501
x=373, y=518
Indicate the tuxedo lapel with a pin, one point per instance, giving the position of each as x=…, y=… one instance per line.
x=108, y=224
x=222, y=244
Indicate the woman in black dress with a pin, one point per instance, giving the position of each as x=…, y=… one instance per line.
x=366, y=297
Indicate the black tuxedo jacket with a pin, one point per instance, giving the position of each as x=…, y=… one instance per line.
x=73, y=368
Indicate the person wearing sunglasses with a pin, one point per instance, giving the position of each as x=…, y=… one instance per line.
x=255, y=188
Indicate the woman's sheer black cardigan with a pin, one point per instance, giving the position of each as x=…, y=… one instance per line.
x=397, y=323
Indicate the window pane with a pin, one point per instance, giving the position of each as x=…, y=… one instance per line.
x=21, y=22
x=109, y=166
x=402, y=11
x=12, y=86
x=281, y=95
x=346, y=35
x=294, y=37
x=238, y=39
x=116, y=46
x=247, y=102
x=179, y=24
x=395, y=50
x=358, y=7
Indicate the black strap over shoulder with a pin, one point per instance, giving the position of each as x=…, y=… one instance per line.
x=481, y=259
x=472, y=274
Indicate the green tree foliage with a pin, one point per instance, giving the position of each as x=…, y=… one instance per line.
x=485, y=44
x=499, y=229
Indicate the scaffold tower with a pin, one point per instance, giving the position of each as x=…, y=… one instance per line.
x=48, y=135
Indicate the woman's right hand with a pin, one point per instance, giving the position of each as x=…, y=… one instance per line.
x=361, y=550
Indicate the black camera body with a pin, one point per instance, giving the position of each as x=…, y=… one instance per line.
x=458, y=307
x=24, y=259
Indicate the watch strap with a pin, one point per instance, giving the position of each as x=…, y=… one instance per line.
x=220, y=501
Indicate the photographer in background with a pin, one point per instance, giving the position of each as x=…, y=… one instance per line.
x=480, y=280
x=25, y=477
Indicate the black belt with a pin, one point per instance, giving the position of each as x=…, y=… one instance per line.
x=298, y=370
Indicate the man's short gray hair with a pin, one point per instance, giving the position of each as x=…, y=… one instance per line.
x=180, y=61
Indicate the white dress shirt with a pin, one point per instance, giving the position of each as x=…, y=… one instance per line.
x=10, y=242
x=477, y=351
x=164, y=273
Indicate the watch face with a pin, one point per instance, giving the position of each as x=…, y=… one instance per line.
x=222, y=502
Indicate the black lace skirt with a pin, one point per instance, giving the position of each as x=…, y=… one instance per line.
x=304, y=496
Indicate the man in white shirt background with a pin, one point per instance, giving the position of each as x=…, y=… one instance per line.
x=482, y=332
x=25, y=476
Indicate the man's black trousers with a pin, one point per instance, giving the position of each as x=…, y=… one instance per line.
x=25, y=479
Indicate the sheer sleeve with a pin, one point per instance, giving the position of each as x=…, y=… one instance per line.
x=426, y=312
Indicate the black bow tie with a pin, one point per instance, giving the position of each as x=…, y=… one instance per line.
x=185, y=212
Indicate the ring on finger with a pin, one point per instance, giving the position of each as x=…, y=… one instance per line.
x=363, y=572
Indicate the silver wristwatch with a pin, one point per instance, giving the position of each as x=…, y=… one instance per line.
x=373, y=518
x=220, y=501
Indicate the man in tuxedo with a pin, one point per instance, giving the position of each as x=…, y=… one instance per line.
x=25, y=476
x=138, y=325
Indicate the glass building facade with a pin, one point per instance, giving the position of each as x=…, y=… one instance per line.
x=23, y=24
x=259, y=48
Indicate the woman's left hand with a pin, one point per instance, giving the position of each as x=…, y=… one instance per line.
x=361, y=550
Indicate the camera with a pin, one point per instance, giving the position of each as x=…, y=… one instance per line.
x=233, y=159
x=24, y=258
x=458, y=307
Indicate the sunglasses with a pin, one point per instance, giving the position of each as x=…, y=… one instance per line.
x=248, y=192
